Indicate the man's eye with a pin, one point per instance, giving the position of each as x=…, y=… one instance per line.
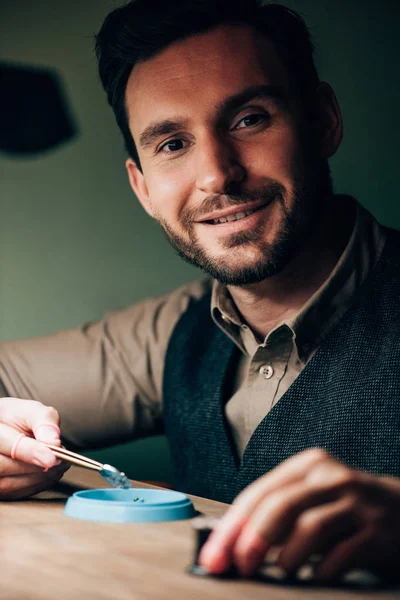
x=172, y=146
x=251, y=120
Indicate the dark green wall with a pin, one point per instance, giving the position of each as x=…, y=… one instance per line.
x=74, y=242
x=358, y=53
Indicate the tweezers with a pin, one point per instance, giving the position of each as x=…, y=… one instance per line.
x=108, y=472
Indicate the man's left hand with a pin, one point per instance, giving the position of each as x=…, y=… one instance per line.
x=311, y=504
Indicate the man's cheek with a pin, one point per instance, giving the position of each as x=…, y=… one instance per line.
x=278, y=162
x=168, y=197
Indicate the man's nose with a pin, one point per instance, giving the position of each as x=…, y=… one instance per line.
x=218, y=167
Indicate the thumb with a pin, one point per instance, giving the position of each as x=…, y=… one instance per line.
x=31, y=417
x=45, y=424
x=48, y=433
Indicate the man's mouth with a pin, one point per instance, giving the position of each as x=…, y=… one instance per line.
x=233, y=216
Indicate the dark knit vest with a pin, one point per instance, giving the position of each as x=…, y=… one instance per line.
x=346, y=400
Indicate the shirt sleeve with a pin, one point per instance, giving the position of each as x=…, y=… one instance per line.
x=104, y=378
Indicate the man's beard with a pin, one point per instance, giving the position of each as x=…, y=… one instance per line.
x=299, y=217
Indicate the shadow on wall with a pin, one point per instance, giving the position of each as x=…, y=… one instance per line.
x=34, y=112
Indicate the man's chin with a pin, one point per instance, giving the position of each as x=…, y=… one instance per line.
x=246, y=264
x=242, y=277
x=243, y=274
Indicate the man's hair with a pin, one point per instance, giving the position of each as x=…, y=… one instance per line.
x=142, y=28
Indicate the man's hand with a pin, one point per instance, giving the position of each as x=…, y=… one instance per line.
x=26, y=465
x=311, y=504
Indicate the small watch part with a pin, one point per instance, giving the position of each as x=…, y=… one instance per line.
x=115, y=477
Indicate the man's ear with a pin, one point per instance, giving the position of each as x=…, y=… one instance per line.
x=138, y=185
x=330, y=123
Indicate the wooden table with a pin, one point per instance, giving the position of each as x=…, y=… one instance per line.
x=45, y=555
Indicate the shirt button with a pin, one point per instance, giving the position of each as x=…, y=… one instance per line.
x=266, y=371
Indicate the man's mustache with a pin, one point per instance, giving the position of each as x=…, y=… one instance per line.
x=221, y=201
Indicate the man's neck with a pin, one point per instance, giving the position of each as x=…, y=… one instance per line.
x=266, y=304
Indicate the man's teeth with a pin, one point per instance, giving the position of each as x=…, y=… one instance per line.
x=235, y=217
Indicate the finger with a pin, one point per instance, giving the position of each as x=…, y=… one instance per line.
x=22, y=486
x=274, y=518
x=9, y=467
x=245, y=541
x=44, y=422
x=25, y=449
x=271, y=523
x=316, y=530
x=29, y=416
x=48, y=433
x=217, y=553
x=249, y=551
x=344, y=556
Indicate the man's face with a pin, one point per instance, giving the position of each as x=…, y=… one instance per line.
x=226, y=170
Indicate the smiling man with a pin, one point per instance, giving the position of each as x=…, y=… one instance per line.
x=226, y=159
x=276, y=379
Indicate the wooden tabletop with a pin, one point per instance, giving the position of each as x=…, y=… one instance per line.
x=45, y=555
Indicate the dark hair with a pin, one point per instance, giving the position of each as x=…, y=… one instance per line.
x=142, y=28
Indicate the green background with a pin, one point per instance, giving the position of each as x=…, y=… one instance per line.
x=74, y=241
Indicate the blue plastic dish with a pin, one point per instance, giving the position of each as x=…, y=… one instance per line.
x=135, y=505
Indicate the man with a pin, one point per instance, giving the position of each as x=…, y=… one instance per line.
x=285, y=397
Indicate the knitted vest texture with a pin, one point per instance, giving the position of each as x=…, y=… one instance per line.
x=346, y=400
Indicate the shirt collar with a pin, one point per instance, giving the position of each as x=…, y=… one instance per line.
x=225, y=314
x=329, y=302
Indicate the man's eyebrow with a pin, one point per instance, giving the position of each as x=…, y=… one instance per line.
x=157, y=129
x=254, y=92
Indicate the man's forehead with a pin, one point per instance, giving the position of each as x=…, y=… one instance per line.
x=229, y=55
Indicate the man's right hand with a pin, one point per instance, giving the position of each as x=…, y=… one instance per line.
x=27, y=466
